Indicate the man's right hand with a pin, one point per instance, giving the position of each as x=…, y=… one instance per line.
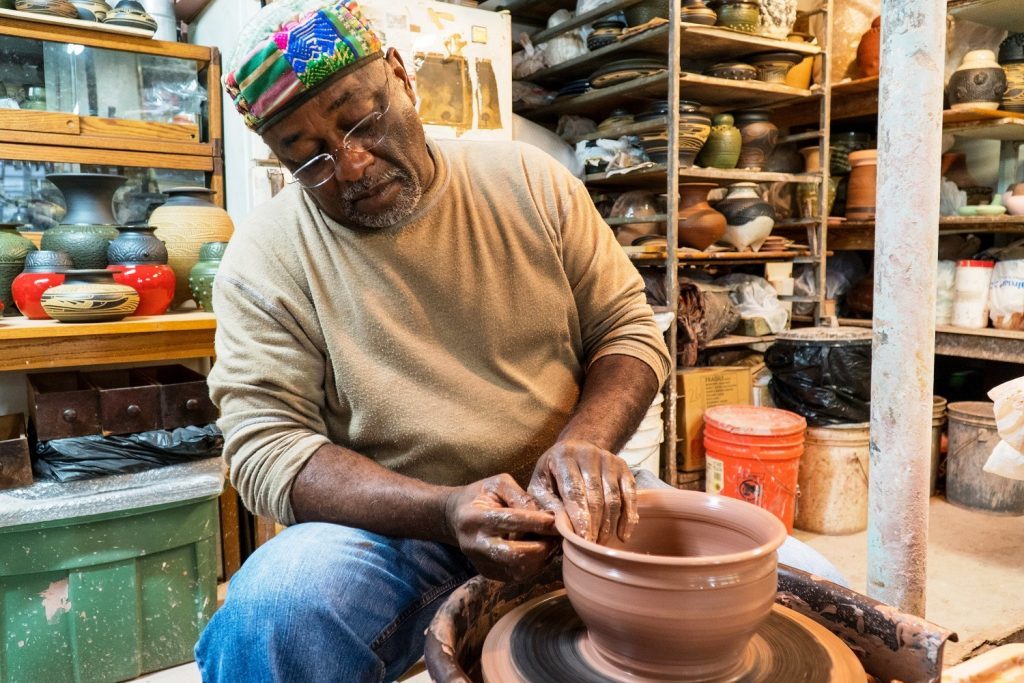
x=489, y=518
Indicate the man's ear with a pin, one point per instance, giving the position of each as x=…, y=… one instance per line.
x=397, y=66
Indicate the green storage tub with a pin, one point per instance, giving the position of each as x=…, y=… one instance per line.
x=111, y=595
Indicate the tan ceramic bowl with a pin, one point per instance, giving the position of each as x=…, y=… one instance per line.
x=684, y=596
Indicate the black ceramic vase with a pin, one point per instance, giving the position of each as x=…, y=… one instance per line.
x=137, y=245
x=88, y=225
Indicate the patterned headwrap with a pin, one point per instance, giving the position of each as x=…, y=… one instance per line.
x=290, y=51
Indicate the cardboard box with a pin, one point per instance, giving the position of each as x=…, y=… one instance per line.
x=698, y=390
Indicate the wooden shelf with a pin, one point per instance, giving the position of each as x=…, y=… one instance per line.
x=1006, y=346
x=610, y=7
x=533, y=11
x=737, y=340
x=653, y=256
x=987, y=124
x=654, y=42
x=656, y=175
x=852, y=99
x=63, y=22
x=37, y=344
x=1001, y=14
x=860, y=235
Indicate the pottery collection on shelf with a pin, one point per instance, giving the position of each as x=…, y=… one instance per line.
x=184, y=223
x=697, y=12
x=13, y=250
x=860, y=197
x=722, y=149
x=203, y=274
x=700, y=226
x=759, y=137
x=89, y=295
x=1011, y=58
x=978, y=83
x=749, y=219
x=88, y=225
x=43, y=270
x=869, y=49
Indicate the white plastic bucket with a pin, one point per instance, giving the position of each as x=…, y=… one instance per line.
x=834, y=480
x=970, y=308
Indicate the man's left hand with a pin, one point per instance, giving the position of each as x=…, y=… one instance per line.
x=593, y=486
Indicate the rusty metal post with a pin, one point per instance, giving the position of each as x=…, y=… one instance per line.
x=906, y=248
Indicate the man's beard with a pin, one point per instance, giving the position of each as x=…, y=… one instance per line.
x=405, y=203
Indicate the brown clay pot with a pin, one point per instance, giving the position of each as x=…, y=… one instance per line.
x=682, y=598
x=860, y=194
x=868, y=60
x=700, y=226
x=759, y=136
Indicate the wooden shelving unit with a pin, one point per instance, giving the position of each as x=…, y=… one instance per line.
x=658, y=174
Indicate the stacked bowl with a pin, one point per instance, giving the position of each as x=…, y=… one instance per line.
x=643, y=449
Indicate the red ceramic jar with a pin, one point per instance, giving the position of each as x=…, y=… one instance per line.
x=27, y=289
x=154, y=283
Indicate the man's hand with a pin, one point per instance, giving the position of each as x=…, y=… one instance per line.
x=488, y=520
x=594, y=487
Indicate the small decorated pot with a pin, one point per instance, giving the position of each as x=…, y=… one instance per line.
x=90, y=296
x=200, y=280
x=978, y=83
x=868, y=50
x=739, y=15
x=759, y=136
x=694, y=128
x=91, y=10
x=749, y=219
x=700, y=226
x=733, y=71
x=153, y=281
x=43, y=270
x=53, y=8
x=1011, y=57
x=772, y=67
x=132, y=14
x=646, y=10
x=722, y=150
x=137, y=244
x=696, y=12
x=860, y=197
x=777, y=18
x=13, y=250
x=605, y=33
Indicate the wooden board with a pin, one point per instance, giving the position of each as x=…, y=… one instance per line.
x=986, y=124
x=75, y=23
x=103, y=157
x=688, y=257
x=656, y=175
x=1005, y=15
x=40, y=121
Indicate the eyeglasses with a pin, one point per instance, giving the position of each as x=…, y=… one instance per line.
x=368, y=133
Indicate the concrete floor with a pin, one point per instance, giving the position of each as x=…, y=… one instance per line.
x=975, y=574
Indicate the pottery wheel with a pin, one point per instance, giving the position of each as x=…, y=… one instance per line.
x=544, y=641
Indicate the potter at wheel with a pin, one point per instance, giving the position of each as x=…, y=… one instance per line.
x=544, y=641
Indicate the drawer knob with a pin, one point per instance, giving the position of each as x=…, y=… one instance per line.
x=192, y=404
x=69, y=414
x=133, y=410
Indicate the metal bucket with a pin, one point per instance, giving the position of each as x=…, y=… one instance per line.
x=972, y=438
x=938, y=422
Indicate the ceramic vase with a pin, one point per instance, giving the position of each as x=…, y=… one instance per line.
x=187, y=221
x=690, y=555
x=89, y=295
x=137, y=244
x=644, y=11
x=800, y=75
x=777, y=18
x=807, y=194
x=88, y=225
x=43, y=270
x=759, y=137
x=1013, y=200
x=739, y=15
x=748, y=218
x=694, y=128
x=154, y=283
x=200, y=280
x=605, y=33
x=772, y=67
x=733, y=71
x=860, y=195
x=1011, y=57
x=696, y=12
x=868, y=50
x=978, y=83
x=13, y=250
x=722, y=149
x=635, y=204
x=700, y=226
x=53, y=8
x=91, y=10
x=132, y=14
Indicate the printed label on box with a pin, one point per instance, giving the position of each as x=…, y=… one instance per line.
x=715, y=475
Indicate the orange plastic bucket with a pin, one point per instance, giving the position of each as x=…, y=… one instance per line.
x=753, y=454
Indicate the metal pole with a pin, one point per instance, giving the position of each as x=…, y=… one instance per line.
x=906, y=248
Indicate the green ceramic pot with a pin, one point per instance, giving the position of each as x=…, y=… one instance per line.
x=88, y=225
x=200, y=279
x=740, y=15
x=87, y=244
x=644, y=11
x=722, y=150
x=13, y=250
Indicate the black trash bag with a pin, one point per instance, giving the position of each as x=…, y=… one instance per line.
x=85, y=457
x=827, y=384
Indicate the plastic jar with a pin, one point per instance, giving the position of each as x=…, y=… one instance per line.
x=970, y=309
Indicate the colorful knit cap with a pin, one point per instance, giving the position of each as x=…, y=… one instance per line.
x=290, y=50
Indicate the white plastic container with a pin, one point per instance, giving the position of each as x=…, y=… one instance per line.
x=945, y=292
x=1006, y=295
x=970, y=308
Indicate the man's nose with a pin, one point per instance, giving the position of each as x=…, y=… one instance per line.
x=352, y=164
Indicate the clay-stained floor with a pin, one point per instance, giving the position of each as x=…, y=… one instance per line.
x=975, y=574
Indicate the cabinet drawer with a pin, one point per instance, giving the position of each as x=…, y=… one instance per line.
x=184, y=396
x=129, y=401
x=63, y=405
x=15, y=464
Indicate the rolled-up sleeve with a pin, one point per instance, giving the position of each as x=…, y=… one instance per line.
x=268, y=382
x=609, y=292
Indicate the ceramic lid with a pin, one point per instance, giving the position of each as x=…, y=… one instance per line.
x=754, y=420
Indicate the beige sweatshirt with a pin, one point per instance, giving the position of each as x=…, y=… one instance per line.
x=449, y=348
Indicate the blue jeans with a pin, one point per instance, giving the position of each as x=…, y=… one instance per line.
x=323, y=602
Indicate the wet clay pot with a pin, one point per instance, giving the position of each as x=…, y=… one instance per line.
x=868, y=60
x=759, y=137
x=43, y=270
x=722, y=149
x=683, y=597
x=89, y=296
x=153, y=281
x=200, y=280
x=860, y=195
x=88, y=225
x=1011, y=57
x=136, y=244
x=700, y=226
x=13, y=250
x=187, y=221
x=739, y=15
x=696, y=12
x=749, y=219
x=978, y=83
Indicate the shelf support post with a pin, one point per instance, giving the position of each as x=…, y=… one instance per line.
x=671, y=234
x=906, y=248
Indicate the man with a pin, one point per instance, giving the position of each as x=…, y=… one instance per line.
x=407, y=337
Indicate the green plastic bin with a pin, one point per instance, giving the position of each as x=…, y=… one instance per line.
x=107, y=597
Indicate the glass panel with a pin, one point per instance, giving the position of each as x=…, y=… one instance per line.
x=89, y=81
x=27, y=197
